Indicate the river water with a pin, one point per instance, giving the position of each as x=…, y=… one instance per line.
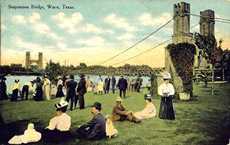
x=93, y=78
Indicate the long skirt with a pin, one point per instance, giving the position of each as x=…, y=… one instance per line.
x=55, y=135
x=14, y=96
x=166, y=109
x=38, y=95
x=60, y=91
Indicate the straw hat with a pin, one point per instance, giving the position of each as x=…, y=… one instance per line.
x=118, y=99
x=61, y=104
x=166, y=75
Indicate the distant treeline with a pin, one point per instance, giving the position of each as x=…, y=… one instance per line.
x=54, y=69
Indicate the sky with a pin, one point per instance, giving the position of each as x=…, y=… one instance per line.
x=92, y=31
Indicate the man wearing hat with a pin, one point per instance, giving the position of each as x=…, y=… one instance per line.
x=81, y=90
x=166, y=91
x=71, y=85
x=59, y=125
x=120, y=113
x=122, y=85
x=94, y=129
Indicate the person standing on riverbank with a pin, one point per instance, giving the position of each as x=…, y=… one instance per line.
x=15, y=90
x=166, y=91
x=46, y=87
x=81, y=90
x=60, y=88
x=3, y=88
x=25, y=91
x=71, y=96
x=89, y=84
x=122, y=85
x=113, y=84
x=107, y=85
x=38, y=96
x=139, y=81
x=100, y=85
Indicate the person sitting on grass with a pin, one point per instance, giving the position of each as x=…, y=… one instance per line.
x=111, y=131
x=149, y=111
x=59, y=125
x=120, y=113
x=95, y=128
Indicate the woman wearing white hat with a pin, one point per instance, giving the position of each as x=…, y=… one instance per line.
x=149, y=111
x=59, y=126
x=59, y=88
x=166, y=91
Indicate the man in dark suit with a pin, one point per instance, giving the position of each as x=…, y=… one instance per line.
x=81, y=90
x=122, y=85
x=71, y=85
x=95, y=128
x=107, y=85
x=113, y=84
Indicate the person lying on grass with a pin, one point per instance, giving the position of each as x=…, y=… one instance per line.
x=95, y=128
x=59, y=126
x=149, y=111
x=120, y=113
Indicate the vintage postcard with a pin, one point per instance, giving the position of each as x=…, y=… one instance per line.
x=115, y=72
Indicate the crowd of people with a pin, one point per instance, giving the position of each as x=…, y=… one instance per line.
x=42, y=89
x=99, y=127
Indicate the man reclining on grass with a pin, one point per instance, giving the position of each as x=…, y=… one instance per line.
x=94, y=129
x=120, y=113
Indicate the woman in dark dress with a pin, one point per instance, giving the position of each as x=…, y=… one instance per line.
x=15, y=90
x=166, y=91
x=59, y=88
x=38, y=91
x=3, y=88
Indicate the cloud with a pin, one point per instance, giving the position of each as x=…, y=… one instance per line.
x=126, y=36
x=68, y=23
x=23, y=45
x=19, y=19
x=147, y=19
x=3, y=27
x=75, y=23
x=34, y=21
x=92, y=41
x=119, y=22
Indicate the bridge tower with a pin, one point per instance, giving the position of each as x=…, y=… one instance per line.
x=181, y=23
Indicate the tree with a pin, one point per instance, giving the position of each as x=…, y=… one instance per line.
x=53, y=70
x=83, y=65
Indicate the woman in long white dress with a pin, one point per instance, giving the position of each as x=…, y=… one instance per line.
x=46, y=88
x=166, y=91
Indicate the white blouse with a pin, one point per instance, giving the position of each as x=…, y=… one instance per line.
x=166, y=89
x=62, y=122
x=60, y=82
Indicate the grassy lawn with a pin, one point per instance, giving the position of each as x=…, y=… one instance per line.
x=204, y=121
